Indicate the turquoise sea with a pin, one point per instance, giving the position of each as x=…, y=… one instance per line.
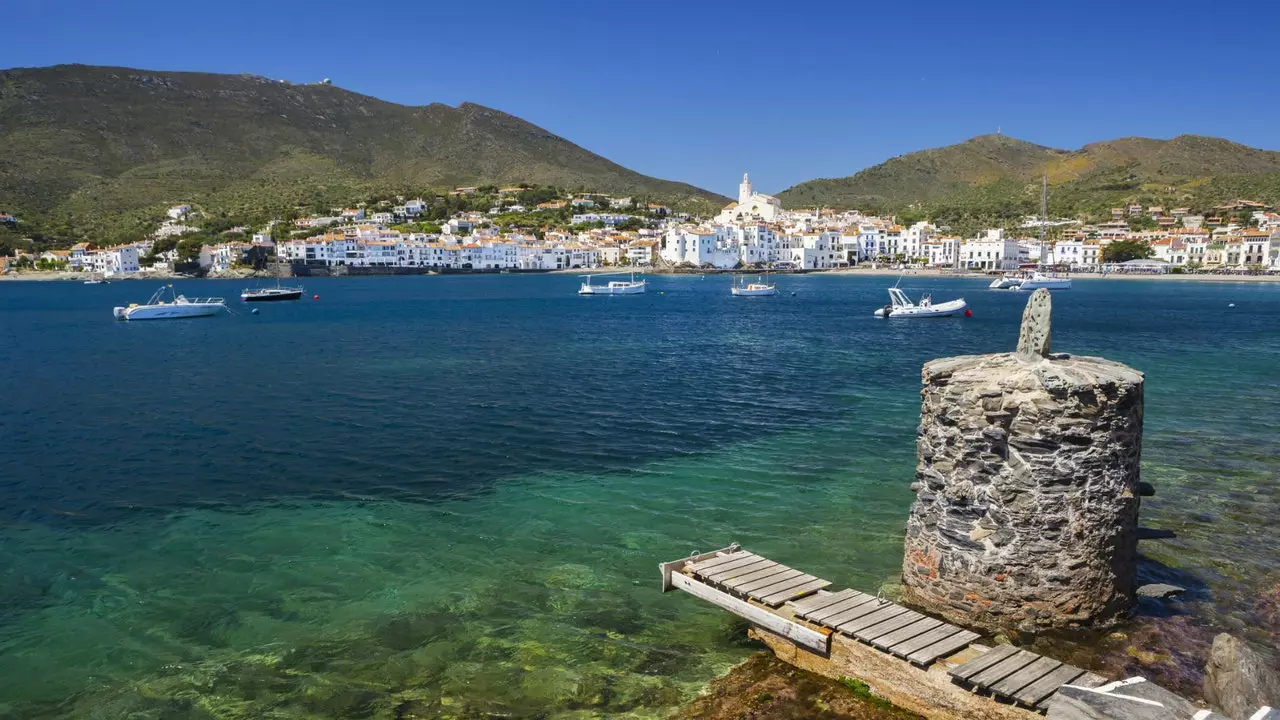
x=448, y=496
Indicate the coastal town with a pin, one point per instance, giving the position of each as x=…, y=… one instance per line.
x=753, y=232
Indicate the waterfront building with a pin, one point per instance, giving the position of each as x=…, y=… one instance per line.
x=111, y=261
x=991, y=251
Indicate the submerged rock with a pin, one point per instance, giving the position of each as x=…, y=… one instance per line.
x=1237, y=680
x=1160, y=591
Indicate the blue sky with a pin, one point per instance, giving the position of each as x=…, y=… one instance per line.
x=701, y=91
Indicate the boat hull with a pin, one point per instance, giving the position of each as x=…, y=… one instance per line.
x=1047, y=284
x=754, y=292
x=606, y=290
x=168, y=312
x=1005, y=283
x=947, y=309
x=271, y=296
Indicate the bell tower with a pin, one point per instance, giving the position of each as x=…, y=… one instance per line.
x=744, y=190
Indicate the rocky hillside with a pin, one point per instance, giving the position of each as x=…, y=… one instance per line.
x=83, y=143
x=996, y=176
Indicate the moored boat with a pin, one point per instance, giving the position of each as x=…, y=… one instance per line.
x=613, y=287
x=1039, y=280
x=1005, y=282
x=270, y=294
x=761, y=288
x=900, y=306
x=180, y=306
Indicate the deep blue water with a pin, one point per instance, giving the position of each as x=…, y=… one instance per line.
x=501, y=436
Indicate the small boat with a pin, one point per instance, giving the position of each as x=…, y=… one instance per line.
x=614, y=287
x=1005, y=282
x=180, y=306
x=1039, y=280
x=901, y=306
x=268, y=294
x=97, y=282
x=761, y=288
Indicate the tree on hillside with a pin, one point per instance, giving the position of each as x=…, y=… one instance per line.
x=1126, y=250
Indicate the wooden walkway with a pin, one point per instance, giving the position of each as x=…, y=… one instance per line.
x=763, y=580
x=885, y=625
x=1022, y=676
x=733, y=577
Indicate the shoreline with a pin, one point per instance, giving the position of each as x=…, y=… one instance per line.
x=76, y=277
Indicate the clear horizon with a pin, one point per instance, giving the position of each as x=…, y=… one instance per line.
x=703, y=94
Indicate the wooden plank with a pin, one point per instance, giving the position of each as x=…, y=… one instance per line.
x=725, y=573
x=741, y=580
x=1040, y=690
x=732, y=565
x=819, y=642
x=1024, y=677
x=719, y=560
x=915, y=629
x=748, y=587
x=995, y=655
x=1089, y=680
x=868, y=634
x=674, y=566
x=853, y=613
x=942, y=648
x=879, y=616
x=846, y=604
x=812, y=586
x=770, y=590
x=820, y=600
x=1004, y=669
x=938, y=634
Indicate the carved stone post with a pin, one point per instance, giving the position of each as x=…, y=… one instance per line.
x=1026, y=509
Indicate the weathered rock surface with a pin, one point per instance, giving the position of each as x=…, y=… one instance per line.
x=1237, y=680
x=1160, y=591
x=1026, y=509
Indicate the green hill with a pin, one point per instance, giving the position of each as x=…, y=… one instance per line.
x=102, y=149
x=995, y=178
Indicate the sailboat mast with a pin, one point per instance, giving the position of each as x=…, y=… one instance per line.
x=1044, y=214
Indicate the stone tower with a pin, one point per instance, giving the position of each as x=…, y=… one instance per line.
x=744, y=190
x=1026, y=509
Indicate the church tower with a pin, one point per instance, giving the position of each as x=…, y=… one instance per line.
x=744, y=190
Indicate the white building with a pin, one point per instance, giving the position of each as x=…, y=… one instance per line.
x=608, y=219
x=991, y=251
x=698, y=246
x=123, y=259
x=751, y=206
x=177, y=212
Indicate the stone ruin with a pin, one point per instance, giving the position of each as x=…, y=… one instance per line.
x=1026, y=510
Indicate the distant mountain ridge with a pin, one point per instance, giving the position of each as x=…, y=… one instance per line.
x=989, y=171
x=83, y=141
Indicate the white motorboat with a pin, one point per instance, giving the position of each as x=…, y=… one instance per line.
x=900, y=306
x=1005, y=282
x=613, y=287
x=1039, y=280
x=179, y=306
x=761, y=288
x=97, y=282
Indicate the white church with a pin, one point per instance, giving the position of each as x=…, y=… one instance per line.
x=751, y=206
